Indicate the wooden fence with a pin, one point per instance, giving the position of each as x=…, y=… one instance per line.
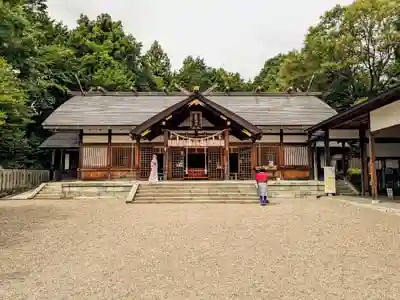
x=18, y=180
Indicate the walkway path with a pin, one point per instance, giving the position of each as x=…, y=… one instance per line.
x=295, y=249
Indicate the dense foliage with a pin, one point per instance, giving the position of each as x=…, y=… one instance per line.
x=352, y=53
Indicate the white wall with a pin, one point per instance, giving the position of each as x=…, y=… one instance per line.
x=343, y=134
x=295, y=138
x=94, y=139
x=386, y=116
x=386, y=150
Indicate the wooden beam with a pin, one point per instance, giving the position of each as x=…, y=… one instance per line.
x=354, y=122
x=372, y=166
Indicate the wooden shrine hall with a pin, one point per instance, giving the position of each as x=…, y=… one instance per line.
x=209, y=135
x=373, y=127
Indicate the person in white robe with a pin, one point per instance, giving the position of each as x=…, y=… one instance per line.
x=153, y=178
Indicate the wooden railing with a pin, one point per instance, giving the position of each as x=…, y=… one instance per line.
x=18, y=180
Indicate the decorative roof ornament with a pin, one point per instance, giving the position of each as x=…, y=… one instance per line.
x=183, y=90
x=210, y=89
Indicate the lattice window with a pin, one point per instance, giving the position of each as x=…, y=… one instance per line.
x=178, y=163
x=146, y=155
x=296, y=156
x=195, y=120
x=268, y=153
x=355, y=163
x=122, y=157
x=94, y=157
x=215, y=168
x=245, y=171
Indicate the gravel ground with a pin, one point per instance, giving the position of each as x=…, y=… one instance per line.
x=294, y=249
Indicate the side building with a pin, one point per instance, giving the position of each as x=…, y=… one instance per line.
x=195, y=136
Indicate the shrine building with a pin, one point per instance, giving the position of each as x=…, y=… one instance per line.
x=213, y=136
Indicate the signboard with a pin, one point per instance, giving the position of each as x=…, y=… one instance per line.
x=195, y=143
x=390, y=193
x=330, y=180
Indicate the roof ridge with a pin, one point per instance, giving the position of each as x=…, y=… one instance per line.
x=230, y=94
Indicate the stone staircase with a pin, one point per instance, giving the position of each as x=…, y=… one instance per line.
x=177, y=191
x=85, y=190
x=196, y=192
x=344, y=188
x=51, y=191
x=222, y=191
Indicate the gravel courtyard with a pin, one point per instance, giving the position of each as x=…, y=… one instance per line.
x=294, y=249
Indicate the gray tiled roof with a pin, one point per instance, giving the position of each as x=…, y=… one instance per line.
x=133, y=110
x=62, y=140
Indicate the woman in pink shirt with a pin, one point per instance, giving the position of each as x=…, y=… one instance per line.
x=262, y=184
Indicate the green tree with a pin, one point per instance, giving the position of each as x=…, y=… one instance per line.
x=194, y=72
x=14, y=116
x=105, y=55
x=267, y=79
x=358, y=41
x=227, y=80
x=158, y=64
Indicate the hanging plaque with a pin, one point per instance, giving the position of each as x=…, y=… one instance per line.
x=195, y=143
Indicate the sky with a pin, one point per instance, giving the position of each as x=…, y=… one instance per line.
x=236, y=35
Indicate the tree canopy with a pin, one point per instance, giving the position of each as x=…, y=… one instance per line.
x=352, y=53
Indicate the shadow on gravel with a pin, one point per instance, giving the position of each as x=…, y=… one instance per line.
x=16, y=223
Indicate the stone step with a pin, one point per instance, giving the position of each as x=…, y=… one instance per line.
x=236, y=191
x=198, y=183
x=189, y=194
x=160, y=188
x=206, y=196
x=197, y=200
x=198, y=191
x=48, y=195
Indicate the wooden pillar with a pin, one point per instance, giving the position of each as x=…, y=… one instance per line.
x=310, y=158
x=253, y=157
x=109, y=153
x=316, y=164
x=53, y=162
x=327, y=150
x=259, y=155
x=61, y=165
x=364, y=164
x=166, y=156
x=372, y=166
x=344, y=169
x=226, y=154
x=80, y=155
x=137, y=158
x=281, y=155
